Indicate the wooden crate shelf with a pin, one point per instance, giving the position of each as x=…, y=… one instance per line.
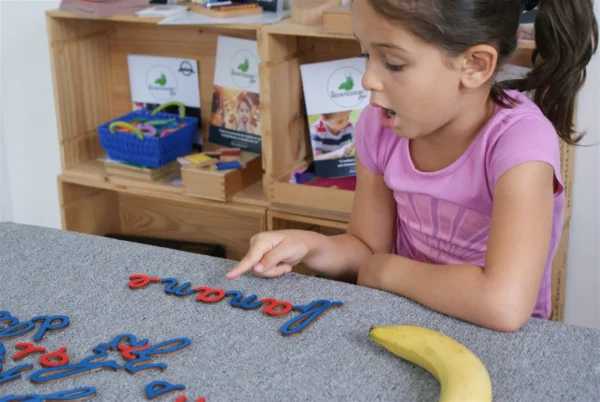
x=92, y=174
x=99, y=210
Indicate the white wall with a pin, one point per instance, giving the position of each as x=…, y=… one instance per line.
x=29, y=159
x=5, y=203
x=582, y=305
x=29, y=143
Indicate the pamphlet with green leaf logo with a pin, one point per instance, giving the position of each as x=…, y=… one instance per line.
x=154, y=81
x=334, y=99
x=235, y=115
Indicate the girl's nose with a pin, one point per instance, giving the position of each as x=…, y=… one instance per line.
x=369, y=81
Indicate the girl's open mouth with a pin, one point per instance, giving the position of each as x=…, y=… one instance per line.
x=388, y=117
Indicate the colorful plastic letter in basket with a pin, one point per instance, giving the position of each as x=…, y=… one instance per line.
x=139, y=132
x=173, y=103
x=133, y=128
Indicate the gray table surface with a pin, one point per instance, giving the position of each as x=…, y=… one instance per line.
x=240, y=355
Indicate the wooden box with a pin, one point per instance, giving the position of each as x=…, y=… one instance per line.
x=221, y=185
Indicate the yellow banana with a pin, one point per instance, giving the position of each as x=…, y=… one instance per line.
x=462, y=376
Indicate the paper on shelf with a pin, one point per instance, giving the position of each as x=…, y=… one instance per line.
x=192, y=18
x=162, y=10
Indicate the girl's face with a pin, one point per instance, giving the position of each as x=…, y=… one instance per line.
x=244, y=112
x=414, y=84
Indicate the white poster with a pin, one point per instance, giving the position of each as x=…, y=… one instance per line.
x=157, y=80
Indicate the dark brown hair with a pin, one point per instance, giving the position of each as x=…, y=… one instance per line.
x=566, y=36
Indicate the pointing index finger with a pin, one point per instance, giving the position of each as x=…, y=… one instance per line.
x=246, y=264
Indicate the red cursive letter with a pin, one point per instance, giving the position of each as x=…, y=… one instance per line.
x=205, y=296
x=276, y=308
x=28, y=348
x=138, y=281
x=54, y=359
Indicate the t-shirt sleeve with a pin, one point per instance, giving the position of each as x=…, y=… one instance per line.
x=368, y=139
x=531, y=138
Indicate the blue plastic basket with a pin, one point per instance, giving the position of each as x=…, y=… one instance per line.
x=144, y=150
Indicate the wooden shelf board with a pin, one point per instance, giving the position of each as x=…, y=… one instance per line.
x=312, y=200
x=284, y=27
x=252, y=195
x=309, y=213
x=148, y=20
x=92, y=174
x=287, y=27
x=117, y=18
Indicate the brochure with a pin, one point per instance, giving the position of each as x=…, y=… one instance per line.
x=235, y=115
x=334, y=99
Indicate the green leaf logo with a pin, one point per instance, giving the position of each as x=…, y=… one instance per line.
x=244, y=66
x=162, y=80
x=348, y=84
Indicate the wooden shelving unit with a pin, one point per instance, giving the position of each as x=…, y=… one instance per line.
x=89, y=62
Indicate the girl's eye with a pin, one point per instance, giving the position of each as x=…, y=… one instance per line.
x=394, y=67
x=364, y=55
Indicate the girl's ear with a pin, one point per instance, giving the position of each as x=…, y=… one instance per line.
x=479, y=65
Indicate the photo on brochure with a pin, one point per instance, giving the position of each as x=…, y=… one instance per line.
x=236, y=110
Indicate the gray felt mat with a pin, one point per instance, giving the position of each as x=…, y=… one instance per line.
x=239, y=355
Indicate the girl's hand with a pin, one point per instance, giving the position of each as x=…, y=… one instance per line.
x=273, y=254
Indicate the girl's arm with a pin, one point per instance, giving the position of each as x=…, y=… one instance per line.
x=370, y=231
x=501, y=295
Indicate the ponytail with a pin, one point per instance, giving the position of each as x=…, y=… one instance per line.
x=566, y=36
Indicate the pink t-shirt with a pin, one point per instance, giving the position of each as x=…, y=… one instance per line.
x=444, y=217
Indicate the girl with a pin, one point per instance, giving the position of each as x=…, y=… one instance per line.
x=459, y=199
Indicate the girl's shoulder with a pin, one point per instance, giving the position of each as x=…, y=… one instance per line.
x=522, y=128
x=524, y=111
x=519, y=134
